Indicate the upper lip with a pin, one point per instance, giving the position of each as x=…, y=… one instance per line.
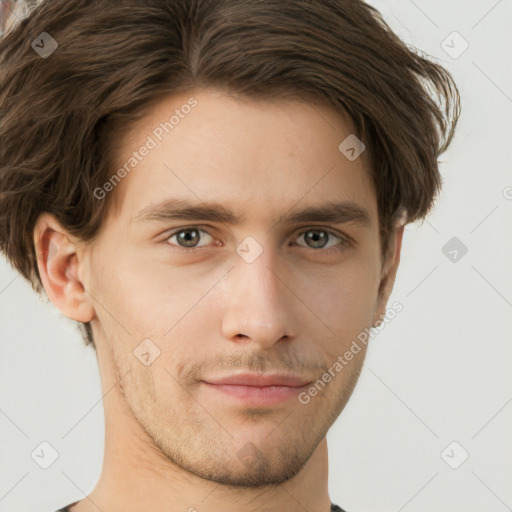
x=251, y=379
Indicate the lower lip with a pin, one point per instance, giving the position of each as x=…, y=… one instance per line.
x=257, y=396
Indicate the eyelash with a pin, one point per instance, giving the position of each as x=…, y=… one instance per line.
x=343, y=244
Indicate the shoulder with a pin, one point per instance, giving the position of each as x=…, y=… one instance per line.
x=66, y=509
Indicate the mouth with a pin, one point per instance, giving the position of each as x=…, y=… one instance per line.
x=257, y=390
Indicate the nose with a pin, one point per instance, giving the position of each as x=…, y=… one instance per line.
x=258, y=303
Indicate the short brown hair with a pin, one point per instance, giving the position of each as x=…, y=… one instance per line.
x=60, y=115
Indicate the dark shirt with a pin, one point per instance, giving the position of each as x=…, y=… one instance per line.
x=334, y=508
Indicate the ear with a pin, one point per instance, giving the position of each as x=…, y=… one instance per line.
x=59, y=264
x=388, y=274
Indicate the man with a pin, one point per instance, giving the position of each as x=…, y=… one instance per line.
x=216, y=191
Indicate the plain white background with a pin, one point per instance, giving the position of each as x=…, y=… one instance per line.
x=436, y=387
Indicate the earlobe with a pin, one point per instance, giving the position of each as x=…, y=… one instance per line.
x=58, y=261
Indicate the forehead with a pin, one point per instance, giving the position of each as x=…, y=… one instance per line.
x=259, y=156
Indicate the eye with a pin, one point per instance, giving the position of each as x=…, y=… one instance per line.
x=187, y=237
x=319, y=239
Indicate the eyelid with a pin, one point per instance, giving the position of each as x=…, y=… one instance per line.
x=323, y=228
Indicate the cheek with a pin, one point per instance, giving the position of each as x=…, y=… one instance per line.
x=345, y=300
x=145, y=297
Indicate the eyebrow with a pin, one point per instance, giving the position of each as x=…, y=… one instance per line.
x=183, y=209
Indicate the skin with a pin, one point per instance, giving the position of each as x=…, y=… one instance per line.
x=171, y=443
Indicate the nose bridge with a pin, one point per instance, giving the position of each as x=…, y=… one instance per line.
x=257, y=302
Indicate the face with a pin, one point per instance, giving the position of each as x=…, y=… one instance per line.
x=182, y=299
